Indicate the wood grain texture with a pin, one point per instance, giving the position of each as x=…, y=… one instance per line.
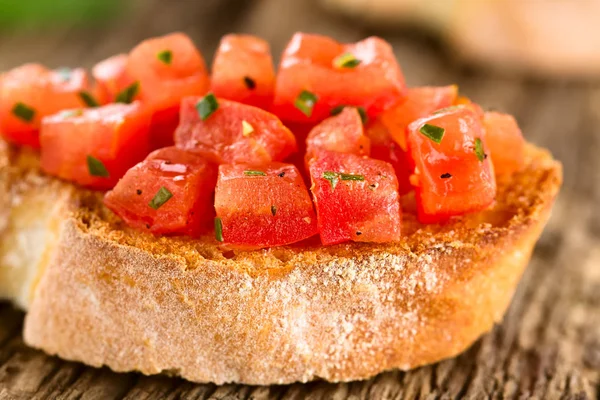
x=548, y=346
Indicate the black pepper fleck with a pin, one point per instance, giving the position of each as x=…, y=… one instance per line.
x=138, y=192
x=281, y=175
x=358, y=233
x=446, y=175
x=250, y=83
x=147, y=226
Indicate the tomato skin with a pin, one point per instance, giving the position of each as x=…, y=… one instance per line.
x=505, y=141
x=383, y=147
x=164, y=85
x=111, y=78
x=188, y=176
x=471, y=185
x=376, y=83
x=263, y=211
x=220, y=137
x=239, y=57
x=115, y=134
x=43, y=90
x=360, y=211
x=343, y=133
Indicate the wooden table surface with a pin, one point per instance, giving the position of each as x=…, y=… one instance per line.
x=549, y=343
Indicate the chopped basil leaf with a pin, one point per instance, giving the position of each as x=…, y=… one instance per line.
x=23, y=112
x=435, y=133
x=128, y=94
x=351, y=177
x=88, y=99
x=336, y=110
x=273, y=210
x=346, y=60
x=161, y=197
x=446, y=175
x=363, y=114
x=361, y=110
x=218, y=229
x=332, y=177
x=96, y=167
x=64, y=72
x=305, y=102
x=166, y=56
x=250, y=172
x=479, y=151
x=249, y=82
x=247, y=129
x=207, y=106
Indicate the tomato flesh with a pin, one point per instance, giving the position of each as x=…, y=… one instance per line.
x=111, y=78
x=342, y=133
x=163, y=84
x=115, y=134
x=310, y=63
x=505, y=141
x=356, y=198
x=38, y=92
x=222, y=139
x=188, y=177
x=452, y=177
x=243, y=71
x=263, y=206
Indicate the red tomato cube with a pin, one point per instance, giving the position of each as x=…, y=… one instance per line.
x=262, y=206
x=94, y=147
x=453, y=173
x=505, y=141
x=170, y=192
x=383, y=147
x=227, y=132
x=356, y=198
x=168, y=68
x=342, y=133
x=111, y=78
x=243, y=71
x=31, y=92
x=318, y=74
x=419, y=102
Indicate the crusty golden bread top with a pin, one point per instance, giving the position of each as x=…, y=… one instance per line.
x=519, y=200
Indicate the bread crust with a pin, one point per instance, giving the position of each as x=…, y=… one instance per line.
x=112, y=296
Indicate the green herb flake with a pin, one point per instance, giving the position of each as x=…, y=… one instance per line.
x=88, y=99
x=128, y=94
x=250, y=172
x=23, y=112
x=361, y=111
x=207, y=106
x=435, y=133
x=160, y=198
x=273, y=210
x=218, y=229
x=305, y=102
x=332, y=177
x=479, y=151
x=166, y=56
x=352, y=177
x=346, y=60
x=96, y=167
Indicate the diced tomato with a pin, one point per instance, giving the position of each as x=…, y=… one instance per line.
x=505, y=141
x=168, y=68
x=363, y=74
x=170, y=192
x=111, y=78
x=115, y=136
x=243, y=71
x=356, y=198
x=419, y=103
x=342, y=133
x=467, y=102
x=31, y=92
x=454, y=176
x=263, y=206
x=384, y=148
x=233, y=133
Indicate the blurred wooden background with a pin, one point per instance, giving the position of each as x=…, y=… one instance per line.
x=549, y=344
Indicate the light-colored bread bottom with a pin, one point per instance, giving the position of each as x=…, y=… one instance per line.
x=111, y=296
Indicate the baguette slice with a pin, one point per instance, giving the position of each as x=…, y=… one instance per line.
x=103, y=294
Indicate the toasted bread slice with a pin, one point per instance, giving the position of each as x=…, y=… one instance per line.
x=101, y=293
